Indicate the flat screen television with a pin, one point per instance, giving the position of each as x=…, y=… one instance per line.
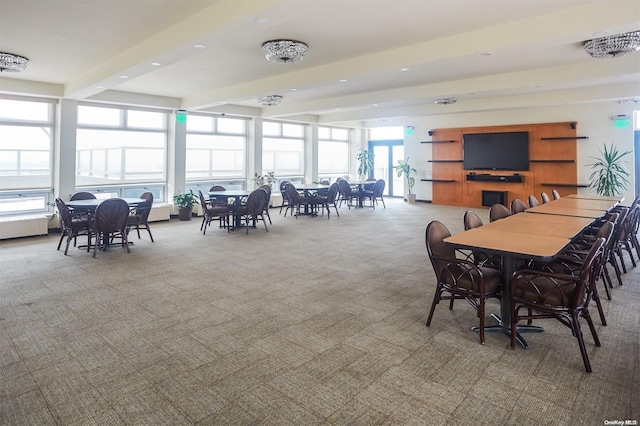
x=496, y=151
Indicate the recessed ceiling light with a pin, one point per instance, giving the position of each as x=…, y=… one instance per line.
x=155, y=64
x=343, y=80
x=601, y=33
x=199, y=46
x=486, y=54
x=404, y=69
x=124, y=76
x=262, y=20
x=374, y=104
x=99, y=87
x=293, y=89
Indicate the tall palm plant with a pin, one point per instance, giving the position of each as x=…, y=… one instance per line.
x=365, y=163
x=610, y=175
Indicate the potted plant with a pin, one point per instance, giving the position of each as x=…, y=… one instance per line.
x=267, y=179
x=185, y=203
x=403, y=168
x=610, y=174
x=365, y=163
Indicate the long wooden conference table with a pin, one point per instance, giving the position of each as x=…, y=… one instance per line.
x=540, y=233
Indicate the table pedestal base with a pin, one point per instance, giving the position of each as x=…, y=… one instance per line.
x=500, y=327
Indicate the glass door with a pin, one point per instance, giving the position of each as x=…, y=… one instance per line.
x=386, y=154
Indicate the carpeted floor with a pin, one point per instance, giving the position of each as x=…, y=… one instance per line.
x=315, y=322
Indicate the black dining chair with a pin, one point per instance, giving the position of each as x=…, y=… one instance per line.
x=460, y=278
x=563, y=297
x=139, y=217
x=82, y=196
x=253, y=209
x=70, y=227
x=109, y=222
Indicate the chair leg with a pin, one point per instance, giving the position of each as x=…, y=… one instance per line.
x=614, y=262
x=62, y=234
x=596, y=297
x=436, y=300
x=618, y=251
x=627, y=247
x=481, y=317
x=577, y=331
x=606, y=280
x=66, y=249
x=204, y=218
x=149, y=231
x=514, y=322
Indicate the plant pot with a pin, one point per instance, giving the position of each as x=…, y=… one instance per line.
x=184, y=213
x=411, y=198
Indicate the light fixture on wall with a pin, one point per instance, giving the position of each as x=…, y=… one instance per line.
x=271, y=100
x=614, y=45
x=284, y=51
x=12, y=63
x=445, y=101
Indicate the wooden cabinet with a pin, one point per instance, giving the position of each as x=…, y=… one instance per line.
x=552, y=160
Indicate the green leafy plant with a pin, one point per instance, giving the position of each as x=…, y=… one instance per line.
x=403, y=168
x=51, y=204
x=365, y=163
x=268, y=178
x=187, y=200
x=610, y=174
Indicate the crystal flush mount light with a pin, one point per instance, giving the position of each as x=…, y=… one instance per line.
x=445, y=101
x=12, y=63
x=284, y=51
x=271, y=100
x=613, y=46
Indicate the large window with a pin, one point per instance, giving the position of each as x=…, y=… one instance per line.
x=216, y=148
x=333, y=151
x=283, y=148
x=120, y=146
x=26, y=140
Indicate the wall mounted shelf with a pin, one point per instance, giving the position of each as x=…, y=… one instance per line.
x=438, y=180
x=449, y=141
x=565, y=138
x=552, y=161
x=566, y=185
x=444, y=161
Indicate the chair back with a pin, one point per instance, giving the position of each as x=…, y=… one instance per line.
x=518, y=206
x=344, y=188
x=498, y=211
x=111, y=215
x=471, y=220
x=217, y=188
x=143, y=209
x=65, y=214
x=283, y=184
x=292, y=195
x=82, y=196
x=533, y=201
x=439, y=252
x=555, y=194
x=203, y=201
x=545, y=198
x=255, y=201
x=378, y=188
x=267, y=189
x=325, y=182
x=371, y=179
x=332, y=194
x=588, y=274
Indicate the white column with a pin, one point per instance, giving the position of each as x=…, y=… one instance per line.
x=64, y=177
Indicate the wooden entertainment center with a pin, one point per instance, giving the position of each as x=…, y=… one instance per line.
x=552, y=165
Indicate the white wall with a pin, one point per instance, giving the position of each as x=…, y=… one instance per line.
x=594, y=121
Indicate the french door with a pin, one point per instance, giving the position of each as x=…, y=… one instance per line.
x=386, y=154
